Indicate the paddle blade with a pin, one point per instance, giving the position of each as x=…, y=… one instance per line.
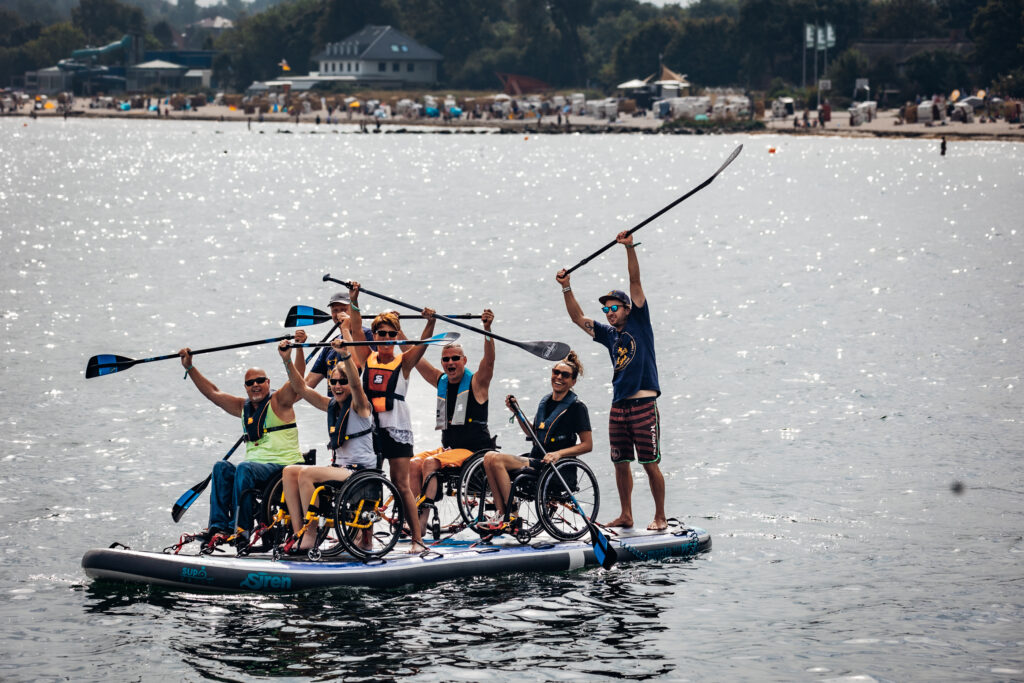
x=300, y=316
x=548, y=350
x=603, y=551
x=107, y=364
x=183, y=503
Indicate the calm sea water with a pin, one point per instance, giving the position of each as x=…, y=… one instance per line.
x=839, y=332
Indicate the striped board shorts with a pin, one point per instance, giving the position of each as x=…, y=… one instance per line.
x=634, y=425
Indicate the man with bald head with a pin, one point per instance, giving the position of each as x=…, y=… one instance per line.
x=271, y=442
x=461, y=408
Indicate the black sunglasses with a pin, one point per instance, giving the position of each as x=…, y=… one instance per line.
x=450, y=359
x=386, y=333
x=256, y=380
x=565, y=374
x=341, y=382
x=612, y=308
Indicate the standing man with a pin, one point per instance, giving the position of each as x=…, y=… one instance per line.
x=633, y=421
x=271, y=443
x=329, y=359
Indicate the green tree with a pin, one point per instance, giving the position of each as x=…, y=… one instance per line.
x=903, y=19
x=705, y=50
x=846, y=69
x=106, y=20
x=936, y=72
x=164, y=33
x=998, y=32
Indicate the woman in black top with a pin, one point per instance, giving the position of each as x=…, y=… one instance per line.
x=561, y=420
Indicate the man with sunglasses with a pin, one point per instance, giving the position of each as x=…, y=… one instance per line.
x=340, y=306
x=633, y=424
x=461, y=413
x=271, y=443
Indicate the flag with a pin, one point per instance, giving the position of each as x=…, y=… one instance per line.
x=284, y=65
x=809, y=36
x=830, y=36
x=821, y=37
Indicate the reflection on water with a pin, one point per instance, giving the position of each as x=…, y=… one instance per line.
x=588, y=624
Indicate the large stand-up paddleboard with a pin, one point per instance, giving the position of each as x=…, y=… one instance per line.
x=442, y=562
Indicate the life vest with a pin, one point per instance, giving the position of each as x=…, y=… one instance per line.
x=459, y=416
x=337, y=423
x=254, y=420
x=549, y=438
x=380, y=381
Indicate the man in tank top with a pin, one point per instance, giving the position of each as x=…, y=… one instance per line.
x=271, y=443
x=633, y=422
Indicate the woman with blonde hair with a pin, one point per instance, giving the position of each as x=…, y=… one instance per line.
x=562, y=425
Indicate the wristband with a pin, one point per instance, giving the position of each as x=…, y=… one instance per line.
x=633, y=246
x=566, y=289
x=185, y=376
x=354, y=307
x=345, y=358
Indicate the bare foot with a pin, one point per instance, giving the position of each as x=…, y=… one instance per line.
x=621, y=521
x=416, y=548
x=657, y=525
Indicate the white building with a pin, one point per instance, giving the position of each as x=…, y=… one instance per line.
x=378, y=56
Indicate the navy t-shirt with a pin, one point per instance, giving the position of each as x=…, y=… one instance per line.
x=632, y=353
x=329, y=358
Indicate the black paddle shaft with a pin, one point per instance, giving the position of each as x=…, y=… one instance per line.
x=732, y=157
x=546, y=350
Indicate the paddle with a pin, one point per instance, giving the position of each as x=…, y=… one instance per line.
x=603, y=551
x=108, y=364
x=436, y=339
x=732, y=157
x=548, y=350
x=299, y=316
x=186, y=499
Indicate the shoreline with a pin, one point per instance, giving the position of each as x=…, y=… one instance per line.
x=884, y=126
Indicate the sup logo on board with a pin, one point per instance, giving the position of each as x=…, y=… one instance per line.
x=195, y=575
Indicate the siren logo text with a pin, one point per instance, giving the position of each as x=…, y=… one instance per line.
x=257, y=581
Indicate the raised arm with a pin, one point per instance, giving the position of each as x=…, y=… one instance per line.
x=360, y=403
x=484, y=373
x=286, y=396
x=355, y=322
x=233, y=405
x=636, y=292
x=573, y=306
x=412, y=357
x=295, y=381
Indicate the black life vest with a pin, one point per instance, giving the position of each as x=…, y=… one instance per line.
x=550, y=434
x=337, y=423
x=254, y=420
x=380, y=381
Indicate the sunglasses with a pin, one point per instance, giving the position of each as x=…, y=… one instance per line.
x=564, y=374
x=612, y=308
x=450, y=359
x=256, y=380
x=386, y=333
x=340, y=382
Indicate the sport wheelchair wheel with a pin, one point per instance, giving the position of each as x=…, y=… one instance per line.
x=368, y=515
x=554, y=504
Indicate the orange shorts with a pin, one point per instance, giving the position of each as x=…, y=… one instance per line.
x=451, y=457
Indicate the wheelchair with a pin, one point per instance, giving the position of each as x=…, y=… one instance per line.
x=443, y=514
x=538, y=499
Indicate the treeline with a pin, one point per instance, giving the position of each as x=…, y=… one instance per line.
x=752, y=44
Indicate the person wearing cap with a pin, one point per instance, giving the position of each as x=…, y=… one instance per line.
x=271, y=443
x=329, y=359
x=633, y=424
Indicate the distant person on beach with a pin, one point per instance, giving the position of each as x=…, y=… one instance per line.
x=942, y=147
x=633, y=423
x=271, y=443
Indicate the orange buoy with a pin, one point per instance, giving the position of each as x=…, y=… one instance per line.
x=771, y=150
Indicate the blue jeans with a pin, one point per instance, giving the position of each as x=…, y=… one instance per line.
x=230, y=509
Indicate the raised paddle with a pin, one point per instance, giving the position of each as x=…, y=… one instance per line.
x=299, y=316
x=443, y=338
x=732, y=157
x=548, y=350
x=108, y=364
x=603, y=551
x=186, y=499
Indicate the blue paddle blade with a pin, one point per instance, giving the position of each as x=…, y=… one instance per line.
x=304, y=315
x=603, y=552
x=106, y=364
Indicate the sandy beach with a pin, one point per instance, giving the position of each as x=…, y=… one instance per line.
x=885, y=125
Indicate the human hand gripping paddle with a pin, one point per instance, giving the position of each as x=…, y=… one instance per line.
x=548, y=350
x=444, y=338
x=732, y=157
x=603, y=551
x=299, y=316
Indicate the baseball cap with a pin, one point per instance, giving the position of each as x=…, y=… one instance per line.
x=617, y=294
x=340, y=298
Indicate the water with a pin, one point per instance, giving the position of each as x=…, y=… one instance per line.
x=839, y=328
